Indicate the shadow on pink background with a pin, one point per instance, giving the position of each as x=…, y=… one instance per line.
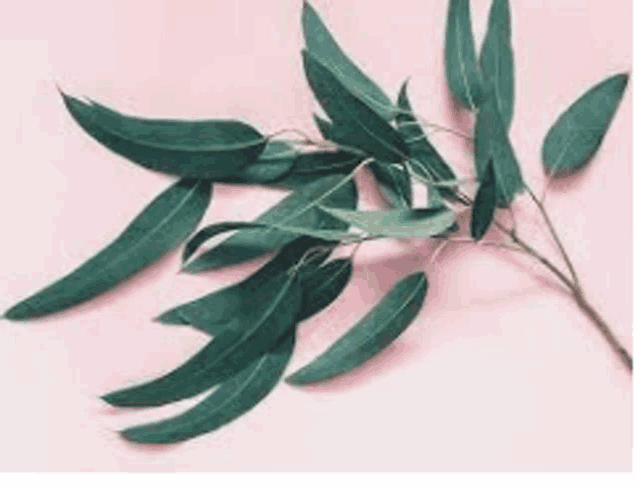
x=500, y=372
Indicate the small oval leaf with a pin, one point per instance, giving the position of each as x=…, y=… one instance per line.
x=158, y=229
x=372, y=334
x=463, y=76
x=575, y=137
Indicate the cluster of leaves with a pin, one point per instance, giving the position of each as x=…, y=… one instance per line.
x=252, y=323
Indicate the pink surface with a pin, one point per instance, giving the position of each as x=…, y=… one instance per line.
x=500, y=372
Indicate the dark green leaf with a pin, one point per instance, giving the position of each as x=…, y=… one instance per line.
x=497, y=59
x=463, y=76
x=158, y=229
x=424, y=157
x=394, y=183
x=324, y=48
x=398, y=223
x=321, y=286
x=387, y=320
x=213, y=312
x=276, y=161
x=233, y=398
x=256, y=329
x=249, y=244
x=575, y=137
x=359, y=126
x=209, y=149
x=492, y=142
x=484, y=204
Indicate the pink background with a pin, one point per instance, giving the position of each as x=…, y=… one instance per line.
x=500, y=372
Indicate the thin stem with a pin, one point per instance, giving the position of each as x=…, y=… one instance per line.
x=548, y=221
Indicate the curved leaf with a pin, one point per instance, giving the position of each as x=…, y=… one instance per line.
x=372, y=334
x=423, y=156
x=249, y=244
x=394, y=183
x=398, y=223
x=233, y=398
x=207, y=149
x=323, y=47
x=360, y=126
x=321, y=286
x=575, y=137
x=256, y=329
x=484, y=204
x=491, y=142
x=158, y=229
x=497, y=59
x=463, y=76
x=212, y=313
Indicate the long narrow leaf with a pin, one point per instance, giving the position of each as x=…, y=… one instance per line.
x=213, y=312
x=158, y=229
x=255, y=330
x=321, y=286
x=497, y=59
x=484, y=204
x=292, y=212
x=463, y=76
x=199, y=149
x=233, y=398
x=387, y=320
x=491, y=142
x=323, y=47
x=363, y=128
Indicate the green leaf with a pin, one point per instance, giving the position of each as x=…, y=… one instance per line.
x=394, y=183
x=233, y=398
x=424, y=157
x=208, y=149
x=398, y=223
x=323, y=47
x=292, y=212
x=497, y=59
x=484, y=204
x=372, y=334
x=575, y=137
x=213, y=312
x=491, y=142
x=359, y=126
x=281, y=164
x=158, y=229
x=321, y=286
x=463, y=76
x=256, y=329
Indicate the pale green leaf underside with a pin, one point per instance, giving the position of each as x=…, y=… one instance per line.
x=398, y=223
x=371, y=335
